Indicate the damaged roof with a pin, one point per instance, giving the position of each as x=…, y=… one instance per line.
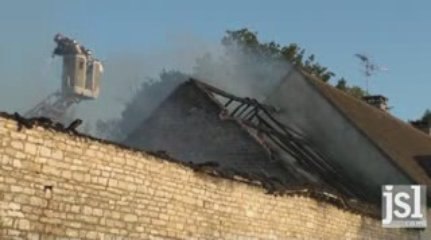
x=302, y=163
x=406, y=146
x=289, y=159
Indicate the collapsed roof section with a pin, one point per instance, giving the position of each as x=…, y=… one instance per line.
x=302, y=163
x=287, y=157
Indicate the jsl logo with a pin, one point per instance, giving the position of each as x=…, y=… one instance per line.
x=404, y=206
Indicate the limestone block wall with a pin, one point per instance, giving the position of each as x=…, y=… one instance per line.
x=57, y=186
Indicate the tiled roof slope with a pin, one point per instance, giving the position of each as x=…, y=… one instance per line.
x=402, y=143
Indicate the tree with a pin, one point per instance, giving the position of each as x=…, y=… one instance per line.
x=352, y=90
x=342, y=84
x=356, y=91
x=426, y=117
x=291, y=53
x=425, y=120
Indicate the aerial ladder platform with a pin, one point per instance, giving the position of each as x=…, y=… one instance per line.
x=80, y=80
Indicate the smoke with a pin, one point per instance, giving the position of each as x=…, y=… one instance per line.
x=128, y=72
x=228, y=67
x=134, y=83
x=241, y=72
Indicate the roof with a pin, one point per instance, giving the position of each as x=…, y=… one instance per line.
x=303, y=165
x=289, y=158
x=401, y=142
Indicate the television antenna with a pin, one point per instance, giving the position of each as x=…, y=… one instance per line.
x=369, y=68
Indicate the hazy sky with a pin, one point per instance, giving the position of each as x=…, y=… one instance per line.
x=169, y=34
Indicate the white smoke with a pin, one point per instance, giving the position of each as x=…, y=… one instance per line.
x=229, y=68
x=226, y=67
x=241, y=73
x=125, y=73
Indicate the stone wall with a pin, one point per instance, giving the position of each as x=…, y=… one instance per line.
x=58, y=186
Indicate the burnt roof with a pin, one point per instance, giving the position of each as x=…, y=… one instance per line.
x=302, y=164
x=401, y=143
x=398, y=140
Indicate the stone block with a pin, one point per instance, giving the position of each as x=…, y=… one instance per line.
x=130, y=218
x=23, y=224
x=17, y=145
x=45, y=151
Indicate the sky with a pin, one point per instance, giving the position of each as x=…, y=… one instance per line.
x=137, y=39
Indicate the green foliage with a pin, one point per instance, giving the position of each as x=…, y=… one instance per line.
x=356, y=91
x=243, y=37
x=352, y=90
x=426, y=117
x=342, y=84
x=292, y=53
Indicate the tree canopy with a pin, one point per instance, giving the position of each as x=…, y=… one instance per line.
x=352, y=90
x=291, y=53
x=426, y=117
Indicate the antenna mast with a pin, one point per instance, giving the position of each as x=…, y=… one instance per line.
x=370, y=68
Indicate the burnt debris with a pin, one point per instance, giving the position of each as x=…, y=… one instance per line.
x=73, y=125
x=284, y=144
x=22, y=122
x=29, y=123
